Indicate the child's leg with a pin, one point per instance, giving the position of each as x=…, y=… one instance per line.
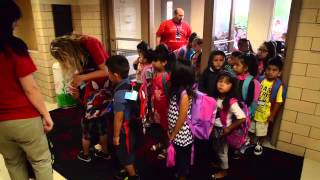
x=85, y=146
x=102, y=126
x=86, y=126
x=104, y=144
x=223, y=155
x=130, y=170
x=183, y=159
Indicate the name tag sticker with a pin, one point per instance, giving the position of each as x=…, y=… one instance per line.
x=132, y=95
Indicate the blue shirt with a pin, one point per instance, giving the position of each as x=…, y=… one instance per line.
x=120, y=104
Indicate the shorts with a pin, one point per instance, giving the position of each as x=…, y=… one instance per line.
x=96, y=126
x=125, y=150
x=183, y=159
x=260, y=129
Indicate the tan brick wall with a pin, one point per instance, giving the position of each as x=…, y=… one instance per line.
x=300, y=126
x=86, y=20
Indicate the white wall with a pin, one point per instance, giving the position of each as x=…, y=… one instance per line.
x=260, y=20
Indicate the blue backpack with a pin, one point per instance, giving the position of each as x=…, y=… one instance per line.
x=275, y=88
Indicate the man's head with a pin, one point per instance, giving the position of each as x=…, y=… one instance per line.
x=118, y=67
x=178, y=15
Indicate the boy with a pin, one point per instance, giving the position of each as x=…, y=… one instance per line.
x=269, y=102
x=123, y=138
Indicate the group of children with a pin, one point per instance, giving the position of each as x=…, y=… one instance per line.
x=163, y=91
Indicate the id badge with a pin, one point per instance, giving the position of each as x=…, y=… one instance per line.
x=178, y=35
x=261, y=103
x=132, y=95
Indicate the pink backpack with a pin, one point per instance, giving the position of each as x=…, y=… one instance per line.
x=237, y=137
x=203, y=114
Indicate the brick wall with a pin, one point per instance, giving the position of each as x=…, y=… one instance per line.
x=86, y=19
x=300, y=127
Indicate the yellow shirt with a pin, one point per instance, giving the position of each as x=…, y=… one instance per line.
x=264, y=105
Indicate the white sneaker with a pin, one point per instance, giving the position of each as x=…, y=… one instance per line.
x=258, y=150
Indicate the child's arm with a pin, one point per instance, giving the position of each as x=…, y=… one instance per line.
x=276, y=106
x=240, y=118
x=118, y=119
x=183, y=113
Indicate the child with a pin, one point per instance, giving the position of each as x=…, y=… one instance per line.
x=82, y=59
x=160, y=96
x=123, y=137
x=186, y=51
x=244, y=46
x=225, y=90
x=196, y=56
x=231, y=61
x=138, y=65
x=180, y=135
x=268, y=107
x=208, y=78
x=249, y=88
x=265, y=52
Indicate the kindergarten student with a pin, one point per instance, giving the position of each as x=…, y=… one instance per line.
x=270, y=100
x=208, y=78
x=225, y=92
x=124, y=98
x=249, y=88
x=232, y=59
x=138, y=65
x=160, y=99
x=196, y=56
x=180, y=134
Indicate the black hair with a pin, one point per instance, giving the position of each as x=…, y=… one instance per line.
x=233, y=93
x=236, y=53
x=118, y=64
x=213, y=54
x=198, y=41
x=192, y=37
x=162, y=53
x=142, y=46
x=245, y=41
x=182, y=78
x=276, y=61
x=251, y=62
x=271, y=46
x=10, y=13
x=149, y=55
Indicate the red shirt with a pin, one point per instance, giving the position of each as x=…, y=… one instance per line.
x=99, y=56
x=95, y=49
x=14, y=103
x=168, y=31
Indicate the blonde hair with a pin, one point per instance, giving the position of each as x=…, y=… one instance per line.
x=69, y=53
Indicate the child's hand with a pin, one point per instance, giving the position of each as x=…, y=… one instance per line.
x=170, y=136
x=116, y=140
x=270, y=119
x=74, y=92
x=226, y=131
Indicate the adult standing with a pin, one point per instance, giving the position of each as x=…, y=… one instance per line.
x=24, y=118
x=174, y=32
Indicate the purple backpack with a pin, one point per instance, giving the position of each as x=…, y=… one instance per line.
x=203, y=114
x=237, y=137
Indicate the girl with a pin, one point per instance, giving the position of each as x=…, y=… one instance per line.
x=160, y=96
x=225, y=92
x=24, y=118
x=186, y=51
x=196, y=56
x=232, y=59
x=249, y=88
x=138, y=65
x=244, y=46
x=82, y=59
x=208, y=77
x=266, y=51
x=180, y=135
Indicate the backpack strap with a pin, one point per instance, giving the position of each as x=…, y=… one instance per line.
x=261, y=78
x=274, y=90
x=224, y=112
x=164, y=84
x=245, y=86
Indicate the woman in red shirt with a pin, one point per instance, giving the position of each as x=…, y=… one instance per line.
x=24, y=118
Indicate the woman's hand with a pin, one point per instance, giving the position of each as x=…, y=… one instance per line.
x=116, y=140
x=76, y=80
x=47, y=123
